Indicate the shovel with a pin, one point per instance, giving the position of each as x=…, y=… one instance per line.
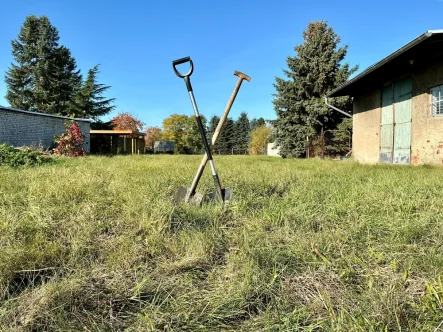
x=190, y=195
x=187, y=78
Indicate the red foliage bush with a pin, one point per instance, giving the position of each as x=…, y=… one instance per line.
x=70, y=143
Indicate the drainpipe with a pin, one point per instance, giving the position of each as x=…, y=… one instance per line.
x=336, y=109
x=342, y=112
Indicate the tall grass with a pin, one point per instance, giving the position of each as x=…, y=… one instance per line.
x=96, y=244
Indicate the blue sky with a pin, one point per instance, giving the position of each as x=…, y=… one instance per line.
x=136, y=41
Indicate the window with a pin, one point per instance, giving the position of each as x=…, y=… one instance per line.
x=437, y=101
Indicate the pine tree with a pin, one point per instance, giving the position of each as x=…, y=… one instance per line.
x=242, y=134
x=213, y=122
x=226, y=140
x=89, y=101
x=255, y=123
x=44, y=76
x=315, y=70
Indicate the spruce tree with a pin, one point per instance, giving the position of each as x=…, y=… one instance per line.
x=226, y=140
x=255, y=123
x=89, y=101
x=312, y=73
x=44, y=76
x=242, y=134
x=212, y=125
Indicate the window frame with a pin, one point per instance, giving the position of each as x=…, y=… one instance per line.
x=439, y=113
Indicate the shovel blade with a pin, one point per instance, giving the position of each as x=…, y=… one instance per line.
x=227, y=195
x=181, y=195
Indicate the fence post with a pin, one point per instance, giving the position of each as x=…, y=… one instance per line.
x=322, y=143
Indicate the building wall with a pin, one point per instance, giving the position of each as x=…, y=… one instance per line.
x=366, y=123
x=273, y=150
x=427, y=131
x=25, y=129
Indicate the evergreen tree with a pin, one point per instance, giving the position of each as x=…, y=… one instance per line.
x=255, y=123
x=242, y=134
x=44, y=76
x=89, y=101
x=226, y=140
x=313, y=72
x=213, y=122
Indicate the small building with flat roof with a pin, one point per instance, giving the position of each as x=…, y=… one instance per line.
x=117, y=142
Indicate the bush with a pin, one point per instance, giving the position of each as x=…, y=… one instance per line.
x=20, y=157
x=70, y=143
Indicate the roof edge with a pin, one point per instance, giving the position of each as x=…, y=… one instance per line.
x=117, y=132
x=385, y=60
x=43, y=114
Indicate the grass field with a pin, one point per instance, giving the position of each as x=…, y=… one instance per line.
x=95, y=244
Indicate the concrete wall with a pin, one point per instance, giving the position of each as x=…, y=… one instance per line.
x=18, y=128
x=366, y=123
x=272, y=150
x=427, y=131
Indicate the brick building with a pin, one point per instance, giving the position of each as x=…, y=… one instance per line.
x=24, y=128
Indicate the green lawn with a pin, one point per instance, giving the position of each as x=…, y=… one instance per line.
x=96, y=244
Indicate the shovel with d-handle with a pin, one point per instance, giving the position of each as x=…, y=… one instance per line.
x=191, y=194
x=187, y=79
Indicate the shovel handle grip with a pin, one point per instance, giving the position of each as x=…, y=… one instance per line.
x=175, y=63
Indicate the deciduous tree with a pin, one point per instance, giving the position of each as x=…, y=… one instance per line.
x=127, y=121
x=259, y=140
x=152, y=134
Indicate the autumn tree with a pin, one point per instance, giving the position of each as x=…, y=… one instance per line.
x=315, y=70
x=259, y=140
x=127, y=121
x=183, y=130
x=192, y=137
x=152, y=134
x=173, y=130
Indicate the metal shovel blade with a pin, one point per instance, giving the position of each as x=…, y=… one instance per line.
x=181, y=195
x=227, y=195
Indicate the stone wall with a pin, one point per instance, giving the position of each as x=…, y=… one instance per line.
x=21, y=128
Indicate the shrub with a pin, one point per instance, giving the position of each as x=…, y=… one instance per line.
x=20, y=157
x=70, y=143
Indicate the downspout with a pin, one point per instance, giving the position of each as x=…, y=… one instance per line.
x=340, y=111
x=336, y=109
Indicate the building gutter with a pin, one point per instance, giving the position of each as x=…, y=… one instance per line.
x=10, y=109
x=336, y=109
x=390, y=57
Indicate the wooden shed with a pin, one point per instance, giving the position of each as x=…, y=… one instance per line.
x=117, y=142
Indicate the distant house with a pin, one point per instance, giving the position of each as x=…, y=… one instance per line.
x=117, y=142
x=273, y=150
x=164, y=147
x=398, y=105
x=33, y=129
